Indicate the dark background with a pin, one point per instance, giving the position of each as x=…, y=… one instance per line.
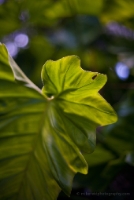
x=101, y=33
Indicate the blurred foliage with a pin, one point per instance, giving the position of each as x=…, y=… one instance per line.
x=115, y=147
x=101, y=33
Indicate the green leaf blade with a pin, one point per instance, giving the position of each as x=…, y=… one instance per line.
x=76, y=94
x=43, y=136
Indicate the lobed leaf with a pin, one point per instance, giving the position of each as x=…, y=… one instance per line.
x=43, y=134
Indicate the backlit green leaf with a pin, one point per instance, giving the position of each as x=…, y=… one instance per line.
x=43, y=134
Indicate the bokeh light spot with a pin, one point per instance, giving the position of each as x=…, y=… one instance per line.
x=122, y=70
x=21, y=40
x=12, y=49
x=2, y=1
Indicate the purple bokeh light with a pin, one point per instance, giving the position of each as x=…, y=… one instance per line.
x=2, y=1
x=116, y=29
x=21, y=40
x=12, y=48
x=122, y=70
